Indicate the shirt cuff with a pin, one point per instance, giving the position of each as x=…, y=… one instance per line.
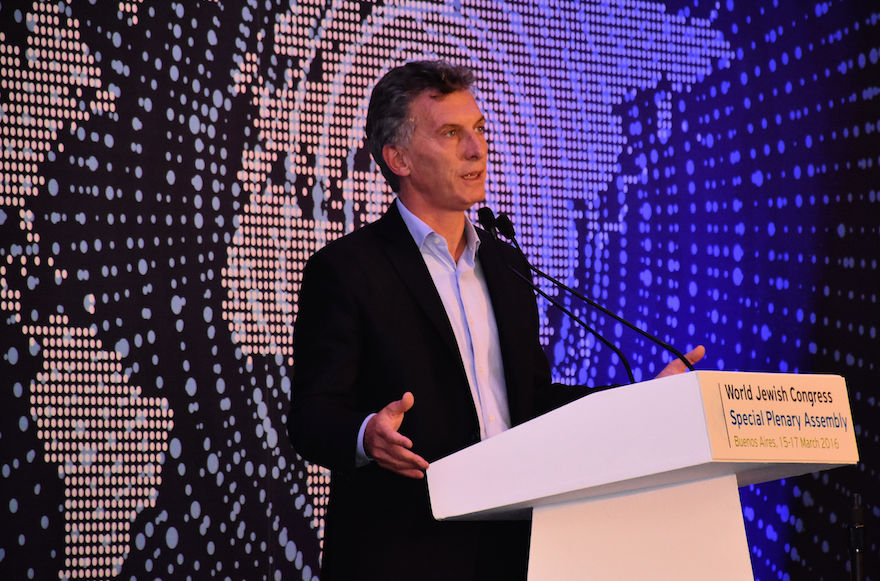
x=361, y=457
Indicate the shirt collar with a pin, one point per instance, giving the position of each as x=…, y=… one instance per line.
x=421, y=231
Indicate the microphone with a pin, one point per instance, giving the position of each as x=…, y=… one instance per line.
x=505, y=228
x=486, y=218
x=488, y=222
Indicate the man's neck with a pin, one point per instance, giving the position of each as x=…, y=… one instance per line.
x=448, y=224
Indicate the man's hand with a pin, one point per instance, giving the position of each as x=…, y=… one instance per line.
x=387, y=447
x=677, y=365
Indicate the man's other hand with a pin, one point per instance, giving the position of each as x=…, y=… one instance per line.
x=387, y=447
x=677, y=365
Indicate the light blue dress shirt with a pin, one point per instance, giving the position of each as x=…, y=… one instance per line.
x=465, y=296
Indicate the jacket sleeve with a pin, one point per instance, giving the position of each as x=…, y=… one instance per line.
x=323, y=422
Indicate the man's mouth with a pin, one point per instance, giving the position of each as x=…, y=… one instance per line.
x=472, y=175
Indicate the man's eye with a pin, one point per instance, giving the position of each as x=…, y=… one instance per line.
x=482, y=130
x=450, y=133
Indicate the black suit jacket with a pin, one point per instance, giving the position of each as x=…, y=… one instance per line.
x=370, y=326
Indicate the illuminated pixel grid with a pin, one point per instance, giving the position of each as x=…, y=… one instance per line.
x=708, y=169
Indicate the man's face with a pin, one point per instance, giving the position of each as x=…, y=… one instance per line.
x=445, y=159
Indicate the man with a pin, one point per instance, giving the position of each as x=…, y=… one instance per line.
x=413, y=340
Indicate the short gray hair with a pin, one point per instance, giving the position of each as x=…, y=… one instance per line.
x=388, y=118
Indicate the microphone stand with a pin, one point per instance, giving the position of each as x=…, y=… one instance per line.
x=578, y=320
x=857, y=540
x=505, y=227
x=488, y=221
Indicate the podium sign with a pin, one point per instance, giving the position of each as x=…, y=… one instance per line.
x=641, y=481
x=779, y=417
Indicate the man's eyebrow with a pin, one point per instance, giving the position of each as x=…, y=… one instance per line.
x=452, y=124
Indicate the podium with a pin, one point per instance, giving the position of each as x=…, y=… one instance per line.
x=641, y=481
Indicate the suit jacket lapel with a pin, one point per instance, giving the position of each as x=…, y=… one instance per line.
x=511, y=335
x=406, y=259
x=514, y=338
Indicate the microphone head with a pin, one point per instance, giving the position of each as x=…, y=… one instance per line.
x=486, y=218
x=505, y=226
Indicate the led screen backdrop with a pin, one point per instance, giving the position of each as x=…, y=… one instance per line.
x=707, y=169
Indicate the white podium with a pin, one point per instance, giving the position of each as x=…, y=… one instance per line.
x=641, y=481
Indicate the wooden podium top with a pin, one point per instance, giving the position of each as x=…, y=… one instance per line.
x=689, y=427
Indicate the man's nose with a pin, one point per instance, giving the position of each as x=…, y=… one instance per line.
x=474, y=145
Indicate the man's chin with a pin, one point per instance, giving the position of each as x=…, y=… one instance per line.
x=479, y=197
x=475, y=200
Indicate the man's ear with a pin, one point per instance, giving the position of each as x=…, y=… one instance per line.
x=395, y=157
